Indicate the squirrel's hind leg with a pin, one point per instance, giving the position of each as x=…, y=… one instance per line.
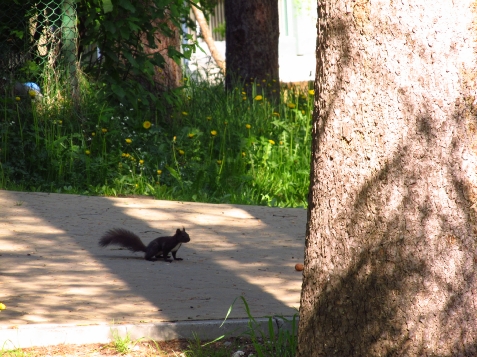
x=166, y=257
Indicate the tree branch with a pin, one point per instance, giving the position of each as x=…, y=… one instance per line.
x=204, y=27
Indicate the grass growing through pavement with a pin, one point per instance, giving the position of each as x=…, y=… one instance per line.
x=204, y=145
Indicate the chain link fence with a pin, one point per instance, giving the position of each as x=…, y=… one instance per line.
x=36, y=36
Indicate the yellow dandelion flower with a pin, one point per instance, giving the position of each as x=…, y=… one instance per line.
x=219, y=162
x=258, y=97
x=264, y=80
x=213, y=133
x=32, y=93
x=123, y=154
x=128, y=141
x=311, y=92
x=104, y=130
x=87, y=152
x=174, y=139
x=137, y=185
x=303, y=112
x=181, y=152
x=2, y=306
x=243, y=93
x=185, y=113
x=281, y=142
x=258, y=84
x=159, y=172
x=271, y=142
x=248, y=126
x=141, y=162
x=147, y=124
x=291, y=105
x=243, y=154
x=93, y=134
x=60, y=122
x=17, y=99
x=244, y=98
x=274, y=90
x=276, y=114
x=191, y=135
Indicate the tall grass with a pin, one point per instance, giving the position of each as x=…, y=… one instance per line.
x=278, y=339
x=208, y=145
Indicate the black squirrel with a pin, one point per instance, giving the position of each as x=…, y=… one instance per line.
x=159, y=247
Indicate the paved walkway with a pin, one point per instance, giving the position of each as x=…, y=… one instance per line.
x=52, y=270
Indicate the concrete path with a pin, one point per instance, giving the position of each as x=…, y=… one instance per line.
x=53, y=273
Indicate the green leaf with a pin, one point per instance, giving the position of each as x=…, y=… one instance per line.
x=110, y=26
x=174, y=173
x=130, y=58
x=133, y=26
x=124, y=32
x=107, y=6
x=126, y=4
x=118, y=90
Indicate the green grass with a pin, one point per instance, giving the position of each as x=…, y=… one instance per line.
x=122, y=345
x=203, y=145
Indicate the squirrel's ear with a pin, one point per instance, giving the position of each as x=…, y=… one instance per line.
x=178, y=231
x=183, y=229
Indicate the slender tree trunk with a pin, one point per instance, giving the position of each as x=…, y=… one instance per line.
x=391, y=249
x=252, y=45
x=209, y=40
x=69, y=40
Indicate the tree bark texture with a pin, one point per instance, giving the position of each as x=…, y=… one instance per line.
x=171, y=75
x=391, y=250
x=251, y=50
x=209, y=40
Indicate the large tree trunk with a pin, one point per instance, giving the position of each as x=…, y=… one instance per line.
x=391, y=250
x=251, y=38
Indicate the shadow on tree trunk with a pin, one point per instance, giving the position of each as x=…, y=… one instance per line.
x=391, y=249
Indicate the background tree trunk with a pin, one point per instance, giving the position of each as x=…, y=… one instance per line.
x=390, y=263
x=251, y=37
x=171, y=75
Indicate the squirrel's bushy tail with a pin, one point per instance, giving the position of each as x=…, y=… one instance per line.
x=124, y=238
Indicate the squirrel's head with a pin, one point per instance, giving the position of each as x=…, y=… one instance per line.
x=183, y=236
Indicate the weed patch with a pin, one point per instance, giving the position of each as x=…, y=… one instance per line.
x=208, y=146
